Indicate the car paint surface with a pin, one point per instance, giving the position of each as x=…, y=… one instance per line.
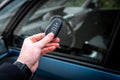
x=54, y=69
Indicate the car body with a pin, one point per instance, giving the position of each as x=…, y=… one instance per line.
x=89, y=47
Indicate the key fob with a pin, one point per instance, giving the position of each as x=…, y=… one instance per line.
x=54, y=26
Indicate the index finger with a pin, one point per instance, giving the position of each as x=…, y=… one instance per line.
x=48, y=38
x=36, y=37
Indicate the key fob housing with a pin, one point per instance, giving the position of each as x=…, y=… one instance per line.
x=54, y=26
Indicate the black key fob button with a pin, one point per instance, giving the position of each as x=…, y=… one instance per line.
x=54, y=27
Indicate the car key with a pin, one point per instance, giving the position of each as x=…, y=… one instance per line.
x=54, y=26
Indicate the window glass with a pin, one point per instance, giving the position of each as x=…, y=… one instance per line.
x=86, y=27
x=110, y=3
x=7, y=12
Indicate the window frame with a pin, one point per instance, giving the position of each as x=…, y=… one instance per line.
x=8, y=36
x=19, y=15
x=113, y=57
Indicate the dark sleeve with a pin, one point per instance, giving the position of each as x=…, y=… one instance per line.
x=11, y=72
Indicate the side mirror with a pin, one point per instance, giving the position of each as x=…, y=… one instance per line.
x=3, y=48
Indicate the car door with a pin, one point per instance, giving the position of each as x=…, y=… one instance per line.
x=89, y=38
x=7, y=11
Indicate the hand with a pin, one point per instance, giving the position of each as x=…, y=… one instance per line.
x=34, y=47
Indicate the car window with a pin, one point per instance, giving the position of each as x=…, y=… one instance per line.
x=86, y=30
x=110, y=4
x=7, y=12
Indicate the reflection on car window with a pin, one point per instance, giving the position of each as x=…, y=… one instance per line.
x=110, y=3
x=84, y=35
x=7, y=13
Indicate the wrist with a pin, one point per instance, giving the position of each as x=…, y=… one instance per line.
x=24, y=62
x=24, y=68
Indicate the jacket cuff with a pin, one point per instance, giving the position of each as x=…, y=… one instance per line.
x=10, y=71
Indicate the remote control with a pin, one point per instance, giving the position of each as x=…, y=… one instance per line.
x=54, y=26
